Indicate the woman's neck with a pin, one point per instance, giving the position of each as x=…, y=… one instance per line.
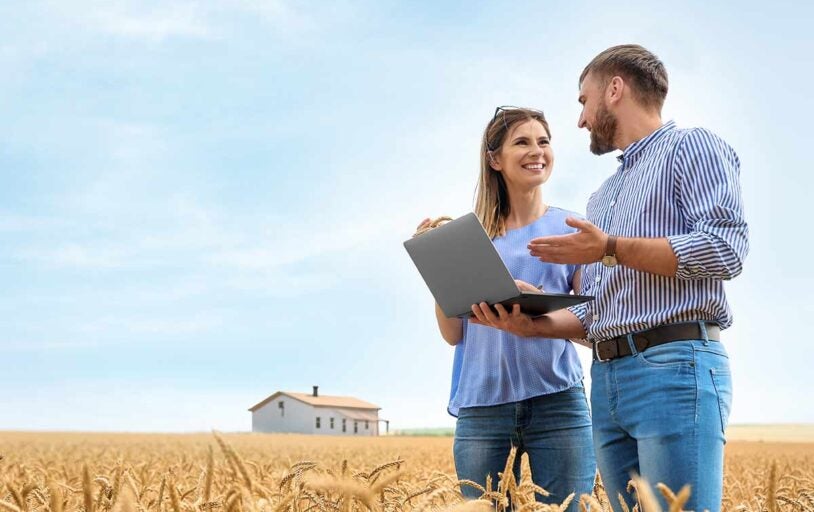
x=525, y=207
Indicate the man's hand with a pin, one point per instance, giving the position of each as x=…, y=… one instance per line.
x=515, y=322
x=585, y=246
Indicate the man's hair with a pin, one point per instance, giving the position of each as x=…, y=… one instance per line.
x=637, y=66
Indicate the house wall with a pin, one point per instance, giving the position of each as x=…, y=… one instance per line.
x=301, y=418
x=298, y=417
x=326, y=413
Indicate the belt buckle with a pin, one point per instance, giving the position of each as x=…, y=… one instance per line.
x=596, y=353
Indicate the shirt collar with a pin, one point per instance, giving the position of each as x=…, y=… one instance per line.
x=640, y=144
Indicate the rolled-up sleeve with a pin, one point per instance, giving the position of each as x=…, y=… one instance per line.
x=581, y=312
x=709, y=197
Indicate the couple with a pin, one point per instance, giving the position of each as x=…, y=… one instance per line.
x=661, y=236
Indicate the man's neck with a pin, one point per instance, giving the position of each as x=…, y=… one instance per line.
x=637, y=128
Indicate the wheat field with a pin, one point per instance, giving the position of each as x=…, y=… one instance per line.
x=74, y=472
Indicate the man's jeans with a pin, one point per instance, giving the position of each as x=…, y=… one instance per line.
x=555, y=431
x=662, y=414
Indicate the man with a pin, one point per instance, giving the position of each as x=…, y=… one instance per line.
x=661, y=236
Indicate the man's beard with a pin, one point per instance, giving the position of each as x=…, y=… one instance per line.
x=603, y=131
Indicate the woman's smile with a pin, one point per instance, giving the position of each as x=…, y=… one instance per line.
x=535, y=167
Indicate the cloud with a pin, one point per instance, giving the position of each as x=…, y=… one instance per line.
x=73, y=255
x=153, y=326
x=183, y=20
x=12, y=223
x=279, y=13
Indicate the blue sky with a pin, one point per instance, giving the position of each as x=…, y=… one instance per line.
x=204, y=202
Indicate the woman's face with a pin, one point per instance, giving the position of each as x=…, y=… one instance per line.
x=526, y=157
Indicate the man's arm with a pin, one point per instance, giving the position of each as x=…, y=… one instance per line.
x=557, y=324
x=653, y=255
x=709, y=197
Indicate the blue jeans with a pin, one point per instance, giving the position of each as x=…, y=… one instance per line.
x=661, y=413
x=555, y=431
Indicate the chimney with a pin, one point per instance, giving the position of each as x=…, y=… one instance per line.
x=316, y=390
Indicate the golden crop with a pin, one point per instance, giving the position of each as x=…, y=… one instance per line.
x=45, y=472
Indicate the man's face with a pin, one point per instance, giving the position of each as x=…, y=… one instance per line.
x=595, y=116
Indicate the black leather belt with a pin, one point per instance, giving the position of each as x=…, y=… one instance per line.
x=618, y=347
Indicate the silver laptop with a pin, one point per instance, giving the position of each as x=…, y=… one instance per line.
x=461, y=267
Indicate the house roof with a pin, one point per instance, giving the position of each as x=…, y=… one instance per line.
x=345, y=402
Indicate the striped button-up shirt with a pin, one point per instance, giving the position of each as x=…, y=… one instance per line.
x=679, y=184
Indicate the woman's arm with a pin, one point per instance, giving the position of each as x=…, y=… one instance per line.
x=451, y=328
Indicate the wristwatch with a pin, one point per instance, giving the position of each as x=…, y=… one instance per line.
x=609, y=259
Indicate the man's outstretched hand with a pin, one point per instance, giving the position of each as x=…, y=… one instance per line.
x=585, y=246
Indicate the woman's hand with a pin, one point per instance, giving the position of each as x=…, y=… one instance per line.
x=528, y=287
x=428, y=224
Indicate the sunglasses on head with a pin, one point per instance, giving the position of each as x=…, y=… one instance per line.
x=509, y=108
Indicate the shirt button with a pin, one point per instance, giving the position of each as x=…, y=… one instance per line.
x=612, y=203
x=597, y=279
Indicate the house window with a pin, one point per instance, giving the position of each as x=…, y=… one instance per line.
x=281, y=406
x=344, y=425
x=317, y=421
x=355, y=427
x=367, y=425
x=332, y=423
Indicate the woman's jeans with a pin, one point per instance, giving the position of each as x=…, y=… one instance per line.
x=661, y=413
x=554, y=430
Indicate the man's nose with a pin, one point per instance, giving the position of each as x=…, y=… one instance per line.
x=581, y=120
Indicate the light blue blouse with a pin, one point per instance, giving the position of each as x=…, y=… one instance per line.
x=494, y=367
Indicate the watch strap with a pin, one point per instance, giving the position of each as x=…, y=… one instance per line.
x=610, y=246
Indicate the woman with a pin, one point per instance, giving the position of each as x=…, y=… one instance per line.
x=510, y=391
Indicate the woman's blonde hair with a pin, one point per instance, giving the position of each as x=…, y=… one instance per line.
x=491, y=196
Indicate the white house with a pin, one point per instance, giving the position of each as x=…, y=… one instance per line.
x=304, y=413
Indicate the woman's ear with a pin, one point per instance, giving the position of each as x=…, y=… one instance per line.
x=494, y=161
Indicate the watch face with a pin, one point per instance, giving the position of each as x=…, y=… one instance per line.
x=609, y=261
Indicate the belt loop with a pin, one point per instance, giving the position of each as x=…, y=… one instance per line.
x=633, y=351
x=704, y=334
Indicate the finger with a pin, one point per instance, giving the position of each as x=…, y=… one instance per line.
x=524, y=286
x=478, y=315
x=544, y=240
x=423, y=223
x=539, y=251
x=545, y=252
x=566, y=257
x=555, y=240
x=501, y=312
x=552, y=256
x=516, y=310
x=487, y=312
